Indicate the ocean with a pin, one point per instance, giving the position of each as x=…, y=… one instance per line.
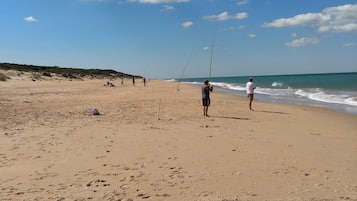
x=335, y=91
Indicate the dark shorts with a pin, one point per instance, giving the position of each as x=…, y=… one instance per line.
x=206, y=101
x=251, y=96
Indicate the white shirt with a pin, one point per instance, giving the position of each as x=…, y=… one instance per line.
x=250, y=86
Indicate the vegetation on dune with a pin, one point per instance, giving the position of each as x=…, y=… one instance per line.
x=71, y=73
x=3, y=77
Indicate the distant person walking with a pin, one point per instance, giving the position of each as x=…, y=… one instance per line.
x=250, y=86
x=206, y=101
x=133, y=81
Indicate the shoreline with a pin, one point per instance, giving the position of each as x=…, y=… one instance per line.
x=52, y=149
x=346, y=109
x=343, y=108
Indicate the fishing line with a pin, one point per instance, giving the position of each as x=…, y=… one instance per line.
x=210, y=65
x=160, y=104
x=183, y=72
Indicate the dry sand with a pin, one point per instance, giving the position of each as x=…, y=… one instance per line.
x=52, y=149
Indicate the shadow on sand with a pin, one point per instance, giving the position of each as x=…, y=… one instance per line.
x=223, y=117
x=273, y=112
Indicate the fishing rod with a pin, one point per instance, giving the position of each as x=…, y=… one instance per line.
x=210, y=65
x=160, y=105
x=183, y=70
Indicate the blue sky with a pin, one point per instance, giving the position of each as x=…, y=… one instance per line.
x=171, y=38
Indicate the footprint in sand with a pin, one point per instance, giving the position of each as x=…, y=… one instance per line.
x=97, y=183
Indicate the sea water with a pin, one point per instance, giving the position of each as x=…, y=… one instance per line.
x=336, y=91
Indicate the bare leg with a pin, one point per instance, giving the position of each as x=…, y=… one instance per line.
x=205, y=111
x=250, y=102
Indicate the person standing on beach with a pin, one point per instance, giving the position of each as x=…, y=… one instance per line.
x=206, y=101
x=250, y=86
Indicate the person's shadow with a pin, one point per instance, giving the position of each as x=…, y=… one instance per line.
x=242, y=118
x=224, y=117
x=273, y=112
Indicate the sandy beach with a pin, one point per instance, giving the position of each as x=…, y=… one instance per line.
x=153, y=143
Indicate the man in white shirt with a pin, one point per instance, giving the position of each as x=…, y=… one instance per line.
x=250, y=86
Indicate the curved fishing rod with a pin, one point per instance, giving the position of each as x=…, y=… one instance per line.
x=160, y=104
x=183, y=70
x=210, y=65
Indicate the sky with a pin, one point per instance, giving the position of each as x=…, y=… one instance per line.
x=182, y=38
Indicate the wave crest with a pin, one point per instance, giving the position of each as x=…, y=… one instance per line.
x=277, y=84
x=321, y=96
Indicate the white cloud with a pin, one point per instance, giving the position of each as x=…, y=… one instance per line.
x=167, y=7
x=30, y=19
x=252, y=35
x=351, y=27
x=205, y=48
x=293, y=35
x=242, y=2
x=302, y=42
x=240, y=16
x=225, y=16
x=230, y=28
x=187, y=24
x=159, y=1
x=334, y=19
x=298, y=20
x=350, y=45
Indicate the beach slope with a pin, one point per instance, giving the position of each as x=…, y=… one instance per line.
x=153, y=143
